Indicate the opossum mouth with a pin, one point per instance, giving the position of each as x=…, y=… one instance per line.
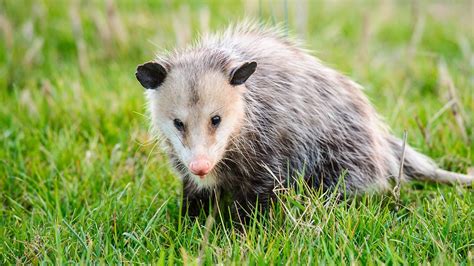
x=205, y=176
x=200, y=176
x=208, y=180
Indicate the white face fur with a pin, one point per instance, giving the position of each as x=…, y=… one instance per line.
x=197, y=117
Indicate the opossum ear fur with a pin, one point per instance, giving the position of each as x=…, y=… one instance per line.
x=150, y=75
x=240, y=74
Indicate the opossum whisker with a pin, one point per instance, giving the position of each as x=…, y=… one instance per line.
x=217, y=110
x=151, y=151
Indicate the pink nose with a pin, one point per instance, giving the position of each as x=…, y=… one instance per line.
x=200, y=166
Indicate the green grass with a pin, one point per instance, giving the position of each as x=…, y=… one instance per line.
x=81, y=179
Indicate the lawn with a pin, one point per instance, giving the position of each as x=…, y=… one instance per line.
x=81, y=179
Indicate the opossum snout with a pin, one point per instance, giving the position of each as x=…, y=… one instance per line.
x=200, y=166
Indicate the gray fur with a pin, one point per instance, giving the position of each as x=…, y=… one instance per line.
x=301, y=117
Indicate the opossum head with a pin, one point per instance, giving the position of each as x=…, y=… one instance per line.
x=197, y=110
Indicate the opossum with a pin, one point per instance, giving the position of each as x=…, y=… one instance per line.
x=247, y=110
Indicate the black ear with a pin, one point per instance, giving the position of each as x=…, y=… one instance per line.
x=240, y=74
x=150, y=75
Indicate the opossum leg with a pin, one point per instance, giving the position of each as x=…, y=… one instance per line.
x=245, y=204
x=196, y=200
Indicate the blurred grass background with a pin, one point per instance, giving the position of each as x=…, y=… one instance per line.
x=81, y=179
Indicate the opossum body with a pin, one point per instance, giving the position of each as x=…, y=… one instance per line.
x=243, y=111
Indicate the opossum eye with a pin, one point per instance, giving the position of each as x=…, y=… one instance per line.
x=215, y=121
x=178, y=124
